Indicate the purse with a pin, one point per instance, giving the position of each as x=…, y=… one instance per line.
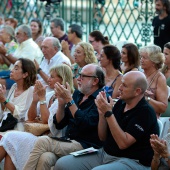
x=36, y=129
x=9, y=123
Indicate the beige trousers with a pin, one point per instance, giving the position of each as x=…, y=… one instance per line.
x=46, y=152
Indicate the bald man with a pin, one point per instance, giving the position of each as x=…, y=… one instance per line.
x=125, y=130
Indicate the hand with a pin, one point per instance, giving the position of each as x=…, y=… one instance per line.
x=36, y=64
x=65, y=45
x=2, y=49
x=2, y=93
x=102, y=104
x=63, y=92
x=148, y=93
x=40, y=90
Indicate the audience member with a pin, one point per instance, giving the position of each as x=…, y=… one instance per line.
x=124, y=128
x=57, y=29
x=75, y=33
x=36, y=28
x=20, y=95
x=11, y=22
x=166, y=72
x=20, y=144
x=8, y=45
x=80, y=116
x=130, y=58
x=53, y=56
x=157, y=93
x=98, y=41
x=161, y=158
x=27, y=49
x=2, y=20
x=161, y=23
x=110, y=61
x=84, y=54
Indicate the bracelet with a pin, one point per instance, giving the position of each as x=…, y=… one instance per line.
x=6, y=101
x=38, y=70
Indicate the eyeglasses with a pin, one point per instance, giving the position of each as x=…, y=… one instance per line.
x=83, y=76
x=91, y=41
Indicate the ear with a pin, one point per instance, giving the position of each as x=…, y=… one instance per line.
x=138, y=91
x=25, y=75
x=96, y=81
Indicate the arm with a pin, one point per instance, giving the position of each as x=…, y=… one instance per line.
x=116, y=87
x=123, y=139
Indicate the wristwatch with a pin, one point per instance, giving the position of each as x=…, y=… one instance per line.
x=148, y=99
x=43, y=102
x=70, y=103
x=6, y=55
x=108, y=114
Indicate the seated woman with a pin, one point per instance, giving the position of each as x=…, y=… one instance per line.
x=157, y=93
x=161, y=158
x=166, y=72
x=15, y=146
x=130, y=58
x=110, y=61
x=20, y=95
x=83, y=54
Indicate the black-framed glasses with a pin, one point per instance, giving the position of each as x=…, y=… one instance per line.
x=91, y=41
x=83, y=76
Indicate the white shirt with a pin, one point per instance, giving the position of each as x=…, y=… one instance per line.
x=46, y=65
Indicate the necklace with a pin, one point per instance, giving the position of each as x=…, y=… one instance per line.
x=151, y=74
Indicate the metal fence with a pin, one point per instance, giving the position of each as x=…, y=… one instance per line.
x=120, y=20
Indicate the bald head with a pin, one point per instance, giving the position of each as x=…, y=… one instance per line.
x=138, y=79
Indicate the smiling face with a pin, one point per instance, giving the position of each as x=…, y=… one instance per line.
x=34, y=28
x=79, y=55
x=166, y=52
x=54, y=78
x=17, y=72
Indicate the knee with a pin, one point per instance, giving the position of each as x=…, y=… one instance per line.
x=41, y=141
x=61, y=164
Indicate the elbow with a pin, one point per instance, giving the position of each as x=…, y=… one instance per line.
x=123, y=146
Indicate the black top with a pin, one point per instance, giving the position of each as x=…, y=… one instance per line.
x=82, y=128
x=161, y=31
x=65, y=37
x=140, y=122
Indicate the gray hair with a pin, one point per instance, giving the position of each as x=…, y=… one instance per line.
x=56, y=43
x=154, y=54
x=26, y=29
x=58, y=22
x=9, y=30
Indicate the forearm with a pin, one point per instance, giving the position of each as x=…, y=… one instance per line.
x=155, y=162
x=44, y=113
x=67, y=53
x=123, y=139
x=10, y=106
x=32, y=112
x=60, y=113
x=11, y=58
x=102, y=128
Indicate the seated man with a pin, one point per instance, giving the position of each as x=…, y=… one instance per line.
x=126, y=130
x=80, y=116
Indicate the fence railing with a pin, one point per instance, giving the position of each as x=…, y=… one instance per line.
x=120, y=20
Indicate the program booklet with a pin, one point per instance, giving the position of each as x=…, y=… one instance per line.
x=84, y=151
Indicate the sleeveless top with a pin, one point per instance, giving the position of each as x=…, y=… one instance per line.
x=109, y=89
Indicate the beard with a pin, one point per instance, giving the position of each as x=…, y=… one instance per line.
x=159, y=12
x=85, y=89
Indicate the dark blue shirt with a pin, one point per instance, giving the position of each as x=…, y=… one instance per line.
x=83, y=127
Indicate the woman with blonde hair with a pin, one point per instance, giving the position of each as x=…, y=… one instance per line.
x=83, y=54
x=16, y=146
x=157, y=93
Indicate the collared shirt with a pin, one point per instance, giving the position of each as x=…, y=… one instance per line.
x=140, y=122
x=46, y=65
x=83, y=127
x=29, y=49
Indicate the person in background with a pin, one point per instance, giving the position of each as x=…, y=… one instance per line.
x=130, y=58
x=2, y=19
x=75, y=33
x=98, y=41
x=166, y=72
x=57, y=29
x=11, y=22
x=110, y=61
x=157, y=93
x=161, y=23
x=36, y=28
x=8, y=46
x=84, y=54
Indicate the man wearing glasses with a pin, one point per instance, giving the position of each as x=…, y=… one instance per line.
x=79, y=113
x=161, y=23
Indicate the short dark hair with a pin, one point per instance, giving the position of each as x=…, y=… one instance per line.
x=98, y=36
x=112, y=53
x=28, y=67
x=58, y=22
x=77, y=29
x=100, y=75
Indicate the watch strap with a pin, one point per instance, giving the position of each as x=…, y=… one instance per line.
x=70, y=103
x=108, y=114
x=6, y=101
x=43, y=102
